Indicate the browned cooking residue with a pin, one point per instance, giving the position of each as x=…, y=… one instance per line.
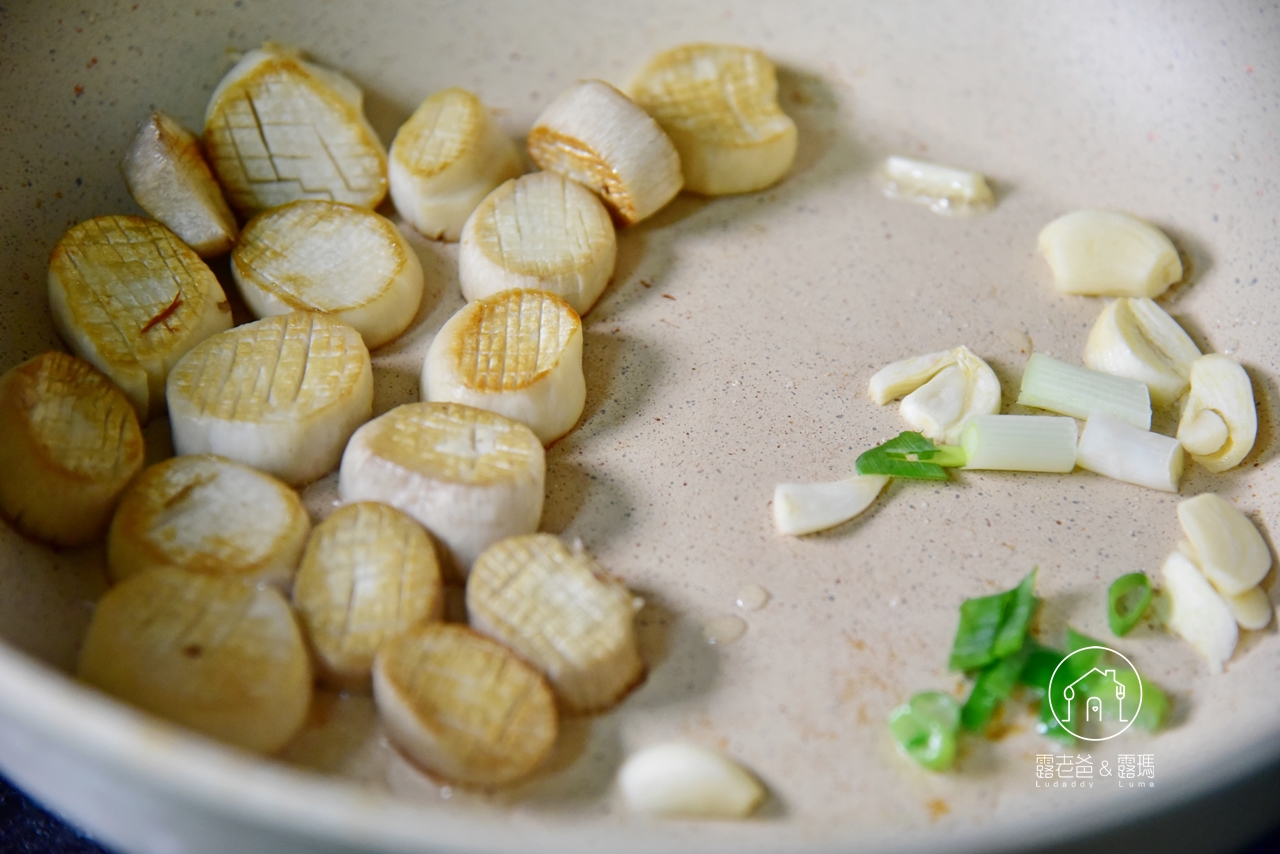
x=164, y=315
x=937, y=808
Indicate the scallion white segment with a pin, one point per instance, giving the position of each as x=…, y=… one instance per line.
x=805, y=508
x=1020, y=443
x=1048, y=383
x=1118, y=450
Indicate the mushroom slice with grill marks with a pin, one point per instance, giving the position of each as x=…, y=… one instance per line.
x=279, y=128
x=368, y=574
x=281, y=394
x=338, y=260
x=471, y=477
x=517, y=353
x=69, y=445
x=131, y=299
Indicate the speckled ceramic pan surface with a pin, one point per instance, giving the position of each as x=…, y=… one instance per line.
x=731, y=352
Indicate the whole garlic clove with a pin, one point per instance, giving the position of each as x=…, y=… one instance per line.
x=1225, y=543
x=1197, y=613
x=1108, y=253
x=943, y=391
x=1136, y=338
x=1219, y=421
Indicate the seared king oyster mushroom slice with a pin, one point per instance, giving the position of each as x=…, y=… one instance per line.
x=281, y=394
x=131, y=299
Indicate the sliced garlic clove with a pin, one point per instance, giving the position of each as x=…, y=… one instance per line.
x=165, y=171
x=681, y=780
x=597, y=136
x=445, y=159
x=1219, y=420
x=471, y=477
x=335, y=259
x=944, y=189
x=369, y=572
x=1197, y=613
x=278, y=129
x=517, y=353
x=1228, y=547
x=217, y=655
x=559, y=611
x=464, y=706
x=1117, y=449
x=1252, y=608
x=1137, y=339
x=806, y=508
x=719, y=105
x=131, y=299
x=1110, y=254
x=944, y=390
x=211, y=516
x=69, y=445
x=539, y=232
x=281, y=394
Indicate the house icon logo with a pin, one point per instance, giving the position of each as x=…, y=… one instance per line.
x=1104, y=692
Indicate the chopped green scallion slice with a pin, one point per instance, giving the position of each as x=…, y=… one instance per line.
x=910, y=455
x=992, y=627
x=1127, y=600
x=993, y=685
x=926, y=729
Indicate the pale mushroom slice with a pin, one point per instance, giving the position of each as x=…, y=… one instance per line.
x=464, y=706
x=445, y=159
x=69, y=445
x=1224, y=543
x=279, y=128
x=470, y=476
x=369, y=573
x=281, y=394
x=166, y=173
x=517, y=353
x=217, y=655
x=336, y=259
x=1136, y=338
x=597, y=136
x=1219, y=419
x=1109, y=253
x=129, y=297
x=559, y=611
x=940, y=391
x=539, y=232
x=211, y=516
x=719, y=105
x=1197, y=613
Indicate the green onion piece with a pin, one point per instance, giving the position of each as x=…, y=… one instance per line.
x=1155, y=703
x=1013, y=629
x=1078, y=391
x=910, y=455
x=1020, y=443
x=1040, y=665
x=991, y=623
x=1123, y=610
x=1049, y=726
x=926, y=729
x=993, y=685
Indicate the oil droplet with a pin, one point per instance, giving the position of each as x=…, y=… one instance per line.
x=722, y=631
x=752, y=597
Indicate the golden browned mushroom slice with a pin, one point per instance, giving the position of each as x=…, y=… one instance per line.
x=339, y=260
x=470, y=476
x=719, y=105
x=600, y=138
x=208, y=515
x=69, y=444
x=464, y=706
x=559, y=611
x=281, y=394
x=217, y=655
x=539, y=232
x=131, y=298
x=369, y=573
x=165, y=171
x=447, y=157
x=279, y=128
x=517, y=353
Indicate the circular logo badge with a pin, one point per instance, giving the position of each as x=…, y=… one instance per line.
x=1095, y=690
